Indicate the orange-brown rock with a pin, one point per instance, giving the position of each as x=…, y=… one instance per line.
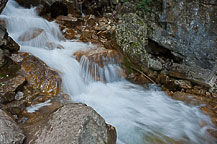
x=70, y=34
x=188, y=98
x=39, y=76
x=100, y=56
x=30, y=34
x=98, y=59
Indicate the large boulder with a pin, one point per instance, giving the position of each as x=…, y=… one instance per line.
x=73, y=123
x=39, y=76
x=10, y=133
x=181, y=39
x=189, y=30
x=131, y=37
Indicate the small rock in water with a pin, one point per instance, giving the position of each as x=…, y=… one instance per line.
x=19, y=95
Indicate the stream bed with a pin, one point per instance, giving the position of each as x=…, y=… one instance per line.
x=139, y=115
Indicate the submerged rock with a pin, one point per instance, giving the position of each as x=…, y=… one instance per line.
x=10, y=133
x=100, y=56
x=30, y=34
x=73, y=123
x=101, y=64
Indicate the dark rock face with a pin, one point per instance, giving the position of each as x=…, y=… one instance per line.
x=189, y=30
x=8, y=88
x=73, y=123
x=2, y=5
x=182, y=39
x=7, y=45
x=31, y=3
x=58, y=8
x=10, y=133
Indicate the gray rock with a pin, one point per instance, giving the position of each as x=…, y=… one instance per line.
x=131, y=36
x=154, y=64
x=188, y=29
x=71, y=124
x=196, y=75
x=10, y=133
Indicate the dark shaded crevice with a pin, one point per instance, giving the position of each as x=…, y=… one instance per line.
x=156, y=50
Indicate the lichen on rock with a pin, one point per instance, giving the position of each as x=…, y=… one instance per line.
x=131, y=36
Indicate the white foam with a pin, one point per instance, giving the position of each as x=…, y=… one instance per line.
x=34, y=108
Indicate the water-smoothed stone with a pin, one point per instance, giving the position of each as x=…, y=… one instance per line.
x=73, y=123
x=101, y=64
x=10, y=133
x=100, y=56
x=30, y=34
x=39, y=76
x=53, y=45
x=131, y=36
x=9, y=86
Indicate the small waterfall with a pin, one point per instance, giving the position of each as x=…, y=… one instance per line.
x=139, y=115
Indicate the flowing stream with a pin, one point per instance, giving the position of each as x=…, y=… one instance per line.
x=140, y=115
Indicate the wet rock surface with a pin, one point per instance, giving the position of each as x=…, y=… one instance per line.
x=30, y=34
x=73, y=123
x=10, y=133
x=39, y=76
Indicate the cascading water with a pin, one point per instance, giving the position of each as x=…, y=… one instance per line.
x=139, y=115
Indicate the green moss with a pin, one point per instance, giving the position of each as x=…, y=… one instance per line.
x=2, y=84
x=127, y=65
x=144, y=5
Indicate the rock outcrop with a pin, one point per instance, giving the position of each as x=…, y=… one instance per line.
x=189, y=30
x=131, y=36
x=73, y=123
x=10, y=133
x=180, y=39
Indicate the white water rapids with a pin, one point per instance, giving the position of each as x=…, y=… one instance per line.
x=139, y=115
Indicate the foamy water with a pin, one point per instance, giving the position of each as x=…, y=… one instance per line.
x=139, y=115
